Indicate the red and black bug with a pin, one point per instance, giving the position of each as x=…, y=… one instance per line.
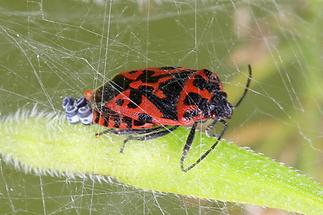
x=152, y=102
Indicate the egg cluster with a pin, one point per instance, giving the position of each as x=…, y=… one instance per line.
x=77, y=110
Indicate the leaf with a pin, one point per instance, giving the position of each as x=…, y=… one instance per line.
x=46, y=143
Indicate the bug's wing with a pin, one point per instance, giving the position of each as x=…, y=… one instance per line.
x=152, y=95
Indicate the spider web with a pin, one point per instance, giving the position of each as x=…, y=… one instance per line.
x=51, y=49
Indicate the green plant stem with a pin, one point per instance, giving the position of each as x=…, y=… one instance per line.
x=46, y=142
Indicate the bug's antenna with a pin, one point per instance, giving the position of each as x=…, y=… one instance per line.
x=246, y=89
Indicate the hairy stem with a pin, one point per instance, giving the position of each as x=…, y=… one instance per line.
x=44, y=142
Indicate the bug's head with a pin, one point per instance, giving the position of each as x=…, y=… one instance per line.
x=219, y=106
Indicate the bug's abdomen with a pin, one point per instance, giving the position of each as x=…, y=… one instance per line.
x=118, y=121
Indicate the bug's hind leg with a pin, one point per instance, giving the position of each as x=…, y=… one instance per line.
x=149, y=135
x=127, y=131
x=189, y=142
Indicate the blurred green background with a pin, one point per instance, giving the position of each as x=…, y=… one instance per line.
x=51, y=49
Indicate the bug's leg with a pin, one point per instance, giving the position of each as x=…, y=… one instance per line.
x=189, y=143
x=151, y=135
x=127, y=131
x=103, y=132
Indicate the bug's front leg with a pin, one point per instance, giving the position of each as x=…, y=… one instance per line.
x=127, y=131
x=189, y=142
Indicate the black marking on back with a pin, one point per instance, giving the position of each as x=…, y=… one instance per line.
x=97, y=117
x=171, y=89
x=135, y=99
x=192, y=99
x=107, y=112
x=145, y=89
x=212, y=84
x=200, y=82
x=145, y=118
x=117, y=122
x=106, y=120
x=146, y=76
x=201, y=103
x=138, y=123
x=111, y=88
x=127, y=121
x=168, y=67
x=120, y=102
x=207, y=72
